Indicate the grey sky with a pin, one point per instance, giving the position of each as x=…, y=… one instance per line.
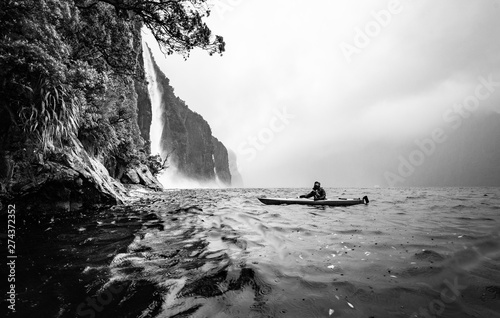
x=353, y=113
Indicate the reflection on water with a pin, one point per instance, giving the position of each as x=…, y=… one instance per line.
x=221, y=253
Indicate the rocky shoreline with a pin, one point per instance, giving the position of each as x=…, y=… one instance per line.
x=71, y=182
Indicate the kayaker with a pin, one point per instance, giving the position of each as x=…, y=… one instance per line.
x=318, y=192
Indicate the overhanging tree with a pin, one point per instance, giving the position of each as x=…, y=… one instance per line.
x=73, y=48
x=177, y=25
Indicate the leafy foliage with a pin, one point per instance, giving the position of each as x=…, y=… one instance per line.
x=51, y=116
x=67, y=69
x=177, y=25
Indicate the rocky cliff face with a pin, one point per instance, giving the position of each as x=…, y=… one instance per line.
x=221, y=161
x=76, y=112
x=186, y=138
x=143, y=111
x=107, y=148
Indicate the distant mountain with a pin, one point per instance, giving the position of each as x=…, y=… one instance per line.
x=237, y=179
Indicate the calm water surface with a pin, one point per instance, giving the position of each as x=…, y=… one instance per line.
x=426, y=252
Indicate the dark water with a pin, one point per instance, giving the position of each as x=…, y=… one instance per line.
x=427, y=252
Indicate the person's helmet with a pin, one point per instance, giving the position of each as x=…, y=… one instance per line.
x=317, y=184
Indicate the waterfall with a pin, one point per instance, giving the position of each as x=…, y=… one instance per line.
x=219, y=183
x=171, y=177
x=155, y=95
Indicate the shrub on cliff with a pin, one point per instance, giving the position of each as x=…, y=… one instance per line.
x=67, y=70
x=156, y=164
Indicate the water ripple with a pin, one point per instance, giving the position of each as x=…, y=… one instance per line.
x=221, y=253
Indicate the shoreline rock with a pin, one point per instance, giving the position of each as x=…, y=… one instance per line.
x=141, y=175
x=73, y=182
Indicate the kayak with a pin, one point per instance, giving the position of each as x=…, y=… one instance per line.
x=337, y=202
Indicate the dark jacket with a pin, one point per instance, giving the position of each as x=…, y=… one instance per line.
x=318, y=194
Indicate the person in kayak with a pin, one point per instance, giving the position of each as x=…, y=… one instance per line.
x=318, y=192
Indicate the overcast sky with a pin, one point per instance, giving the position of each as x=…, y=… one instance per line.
x=338, y=91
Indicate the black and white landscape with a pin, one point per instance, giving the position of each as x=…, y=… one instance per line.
x=230, y=158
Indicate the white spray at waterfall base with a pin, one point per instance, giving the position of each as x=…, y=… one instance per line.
x=170, y=178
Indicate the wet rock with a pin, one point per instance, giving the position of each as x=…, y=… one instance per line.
x=147, y=177
x=429, y=255
x=141, y=175
x=132, y=176
x=68, y=182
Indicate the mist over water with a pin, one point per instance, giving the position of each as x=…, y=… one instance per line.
x=354, y=114
x=170, y=178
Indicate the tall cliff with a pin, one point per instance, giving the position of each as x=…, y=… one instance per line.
x=75, y=112
x=70, y=76
x=221, y=160
x=184, y=136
